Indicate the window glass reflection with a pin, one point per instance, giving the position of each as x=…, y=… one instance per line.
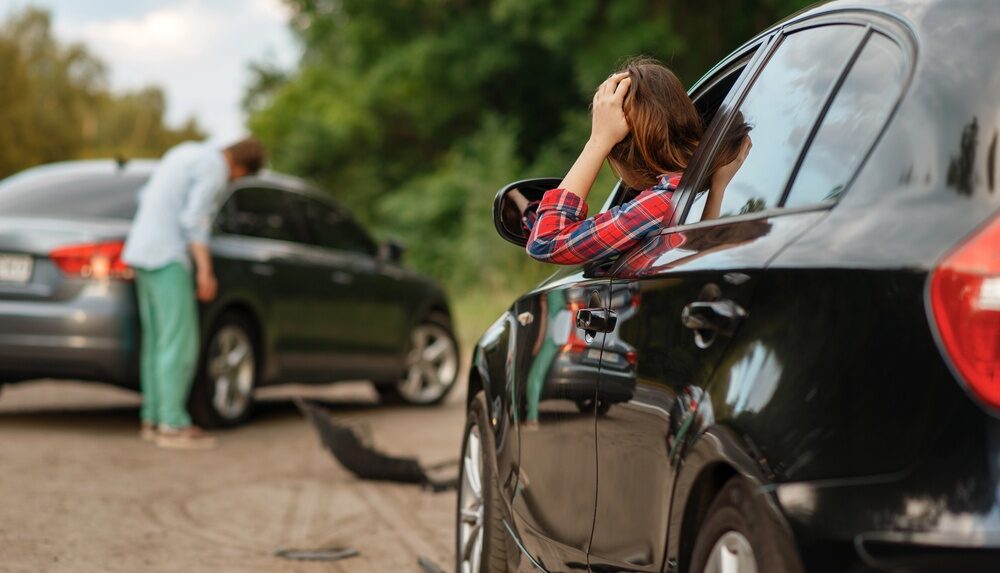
x=333, y=230
x=266, y=214
x=781, y=108
x=851, y=124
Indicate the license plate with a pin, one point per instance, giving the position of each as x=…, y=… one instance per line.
x=594, y=354
x=15, y=268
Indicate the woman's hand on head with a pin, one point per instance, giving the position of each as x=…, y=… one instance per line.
x=726, y=173
x=608, y=128
x=608, y=125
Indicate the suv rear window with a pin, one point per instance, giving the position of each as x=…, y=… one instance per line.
x=264, y=213
x=102, y=196
x=855, y=117
x=781, y=107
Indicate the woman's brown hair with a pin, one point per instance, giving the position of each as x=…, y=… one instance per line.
x=664, y=127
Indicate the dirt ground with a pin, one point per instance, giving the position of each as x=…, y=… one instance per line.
x=79, y=492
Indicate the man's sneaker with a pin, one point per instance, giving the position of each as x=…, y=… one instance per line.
x=189, y=438
x=147, y=432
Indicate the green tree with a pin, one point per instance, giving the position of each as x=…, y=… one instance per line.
x=55, y=103
x=131, y=124
x=46, y=93
x=414, y=112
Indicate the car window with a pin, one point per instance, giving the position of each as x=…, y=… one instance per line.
x=849, y=127
x=334, y=229
x=781, y=108
x=709, y=98
x=264, y=213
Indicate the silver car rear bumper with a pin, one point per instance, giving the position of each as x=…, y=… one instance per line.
x=91, y=336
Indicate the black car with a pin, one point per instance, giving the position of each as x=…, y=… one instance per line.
x=816, y=372
x=305, y=294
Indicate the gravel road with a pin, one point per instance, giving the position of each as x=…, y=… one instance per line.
x=81, y=493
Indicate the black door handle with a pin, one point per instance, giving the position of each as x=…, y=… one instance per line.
x=594, y=320
x=709, y=318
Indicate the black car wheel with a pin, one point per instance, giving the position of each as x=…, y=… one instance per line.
x=479, y=531
x=431, y=365
x=590, y=405
x=227, y=374
x=739, y=535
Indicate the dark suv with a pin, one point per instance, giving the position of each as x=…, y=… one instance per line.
x=816, y=373
x=305, y=295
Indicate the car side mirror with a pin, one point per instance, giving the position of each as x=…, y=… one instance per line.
x=392, y=251
x=513, y=201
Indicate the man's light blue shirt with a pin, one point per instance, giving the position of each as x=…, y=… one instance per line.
x=176, y=206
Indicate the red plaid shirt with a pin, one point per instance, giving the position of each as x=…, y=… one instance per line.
x=563, y=235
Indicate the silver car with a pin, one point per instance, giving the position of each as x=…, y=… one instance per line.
x=305, y=295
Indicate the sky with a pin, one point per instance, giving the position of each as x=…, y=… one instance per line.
x=197, y=51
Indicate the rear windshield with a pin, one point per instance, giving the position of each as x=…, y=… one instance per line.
x=103, y=196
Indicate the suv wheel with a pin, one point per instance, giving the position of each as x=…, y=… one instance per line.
x=431, y=365
x=479, y=532
x=739, y=535
x=227, y=374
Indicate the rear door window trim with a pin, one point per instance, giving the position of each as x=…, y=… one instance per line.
x=724, y=116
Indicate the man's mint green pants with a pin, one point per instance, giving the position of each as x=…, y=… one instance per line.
x=169, y=317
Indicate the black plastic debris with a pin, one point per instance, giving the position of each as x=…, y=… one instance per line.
x=324, y=554
x=429, y=566
x=365, y=462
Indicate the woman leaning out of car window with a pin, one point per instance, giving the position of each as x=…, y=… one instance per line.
x=646, y=126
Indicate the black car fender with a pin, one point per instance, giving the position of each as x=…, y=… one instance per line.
x=433, y=302
x=492, y=373
x=491, y=370
x=712, y=458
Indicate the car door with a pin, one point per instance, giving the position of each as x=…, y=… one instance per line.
x=365, y=312
x=259, y=255
x=816, y=290
x=685, y=291
x=555, y=373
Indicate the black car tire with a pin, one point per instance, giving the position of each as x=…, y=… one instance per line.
x=739, y=510
x=394, y=392
x=493, y=555
x=590, y=405
x=206, y=411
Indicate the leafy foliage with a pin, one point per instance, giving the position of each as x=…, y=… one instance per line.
x=414, y=112
x=55, y=103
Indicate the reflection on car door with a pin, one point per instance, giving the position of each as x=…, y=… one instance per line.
x=554, y=402
x=685, y=292
x=365, y=315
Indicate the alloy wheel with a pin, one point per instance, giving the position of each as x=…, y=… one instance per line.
x=471, y=506
x=732, y=553
x=431, y=365
x=231, y=369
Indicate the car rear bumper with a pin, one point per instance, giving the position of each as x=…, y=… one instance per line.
x=853, y=529
x=940, y=514
x=93, y=336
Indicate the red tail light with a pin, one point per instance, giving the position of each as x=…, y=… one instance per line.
x=965, y=301
x=573, y=343
x=92, y=260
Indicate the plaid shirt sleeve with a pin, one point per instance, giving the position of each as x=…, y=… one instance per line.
x=563, y=235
